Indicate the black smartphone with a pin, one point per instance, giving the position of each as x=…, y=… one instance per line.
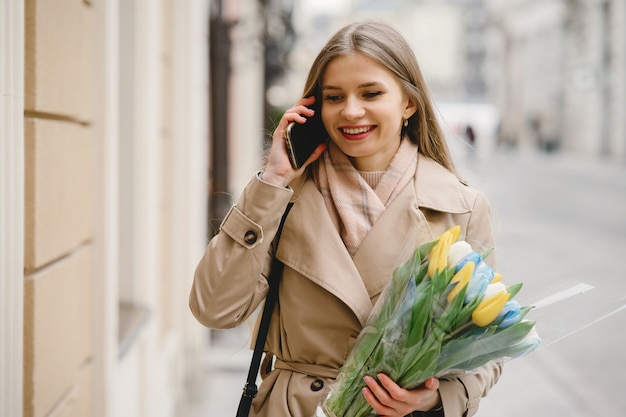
x=302, y=139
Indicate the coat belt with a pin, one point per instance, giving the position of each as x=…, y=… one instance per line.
x=310, y=369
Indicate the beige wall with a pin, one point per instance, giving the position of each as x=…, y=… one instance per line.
x=58, y=207
x=110, y=165
x=165, y=299
x=78, y=182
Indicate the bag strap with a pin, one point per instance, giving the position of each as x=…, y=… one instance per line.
x=250, y=389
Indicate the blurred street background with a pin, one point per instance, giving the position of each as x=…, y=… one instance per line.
x=128, y=128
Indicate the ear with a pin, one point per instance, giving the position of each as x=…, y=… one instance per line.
x=410, y=109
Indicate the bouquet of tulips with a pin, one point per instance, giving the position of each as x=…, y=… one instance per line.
x=444, y=311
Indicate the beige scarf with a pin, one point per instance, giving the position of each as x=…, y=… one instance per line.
x=353, y=205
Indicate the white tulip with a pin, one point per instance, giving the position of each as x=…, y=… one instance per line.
x=493, y=290
x=458, y=250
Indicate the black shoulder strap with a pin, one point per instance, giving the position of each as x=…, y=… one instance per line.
x=276, y=271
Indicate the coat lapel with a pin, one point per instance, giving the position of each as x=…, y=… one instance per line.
x=311, y=245
x=438, y=189
x=403, y=226
x=391, y=241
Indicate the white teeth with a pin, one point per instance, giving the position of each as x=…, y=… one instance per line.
x=357, y=130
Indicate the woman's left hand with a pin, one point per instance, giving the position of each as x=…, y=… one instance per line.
x=388, y=399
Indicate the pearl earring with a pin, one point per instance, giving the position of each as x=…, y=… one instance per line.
x=405, y=123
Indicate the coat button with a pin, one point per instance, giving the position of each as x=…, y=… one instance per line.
x=250, y=237
x=317, y=385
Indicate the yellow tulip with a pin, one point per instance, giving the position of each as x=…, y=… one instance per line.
x=461, y=278
x=438, y=256
x=494, y=300
x=497, y=277
x=435, y=258
x=454, y=232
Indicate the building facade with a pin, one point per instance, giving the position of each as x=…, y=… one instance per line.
x=557, y=71
x=104, y=171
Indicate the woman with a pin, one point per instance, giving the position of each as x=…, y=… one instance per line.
x=382, y=185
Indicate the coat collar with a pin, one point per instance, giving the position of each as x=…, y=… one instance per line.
x=311, y=246
x=438, y=189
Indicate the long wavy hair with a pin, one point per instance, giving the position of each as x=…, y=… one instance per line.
x=387, y=46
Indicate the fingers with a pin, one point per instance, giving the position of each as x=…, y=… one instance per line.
x=392, y=388
x=380, y=408
x=386, y=397
x=316, y=154
x=278, y=170
x=298, y=113
x=432, y=383
x=389, y=399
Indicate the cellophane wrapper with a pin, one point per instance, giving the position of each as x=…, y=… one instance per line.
x=415, y=332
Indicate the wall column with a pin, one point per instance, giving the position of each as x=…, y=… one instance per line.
x=11, y=206
x=106, y=227
x=190, y=154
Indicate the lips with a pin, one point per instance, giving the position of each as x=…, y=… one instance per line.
x=357, y=132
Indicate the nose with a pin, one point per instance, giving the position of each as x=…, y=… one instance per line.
x=352, y=109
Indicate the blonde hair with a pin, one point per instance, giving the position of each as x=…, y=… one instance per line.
x=387, y=46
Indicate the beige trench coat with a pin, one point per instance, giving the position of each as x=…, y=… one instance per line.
x=325, y=296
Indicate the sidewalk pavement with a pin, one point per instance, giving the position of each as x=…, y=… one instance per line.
x=218, y=385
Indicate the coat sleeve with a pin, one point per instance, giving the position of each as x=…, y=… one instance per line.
x=230, y=279
x=461, y=394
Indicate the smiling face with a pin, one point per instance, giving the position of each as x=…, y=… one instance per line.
x=363, y=109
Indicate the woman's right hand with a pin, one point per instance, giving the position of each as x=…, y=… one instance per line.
x=278, y=170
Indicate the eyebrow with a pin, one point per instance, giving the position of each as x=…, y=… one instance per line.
x=364, y=85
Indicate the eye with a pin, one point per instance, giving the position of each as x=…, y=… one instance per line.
x=372, y=94
x=332, y=98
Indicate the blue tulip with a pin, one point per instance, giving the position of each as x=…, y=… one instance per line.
x=471, y=257
x=482, y=277
x=485, y=272
x=527, y=345
x=511, y=313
